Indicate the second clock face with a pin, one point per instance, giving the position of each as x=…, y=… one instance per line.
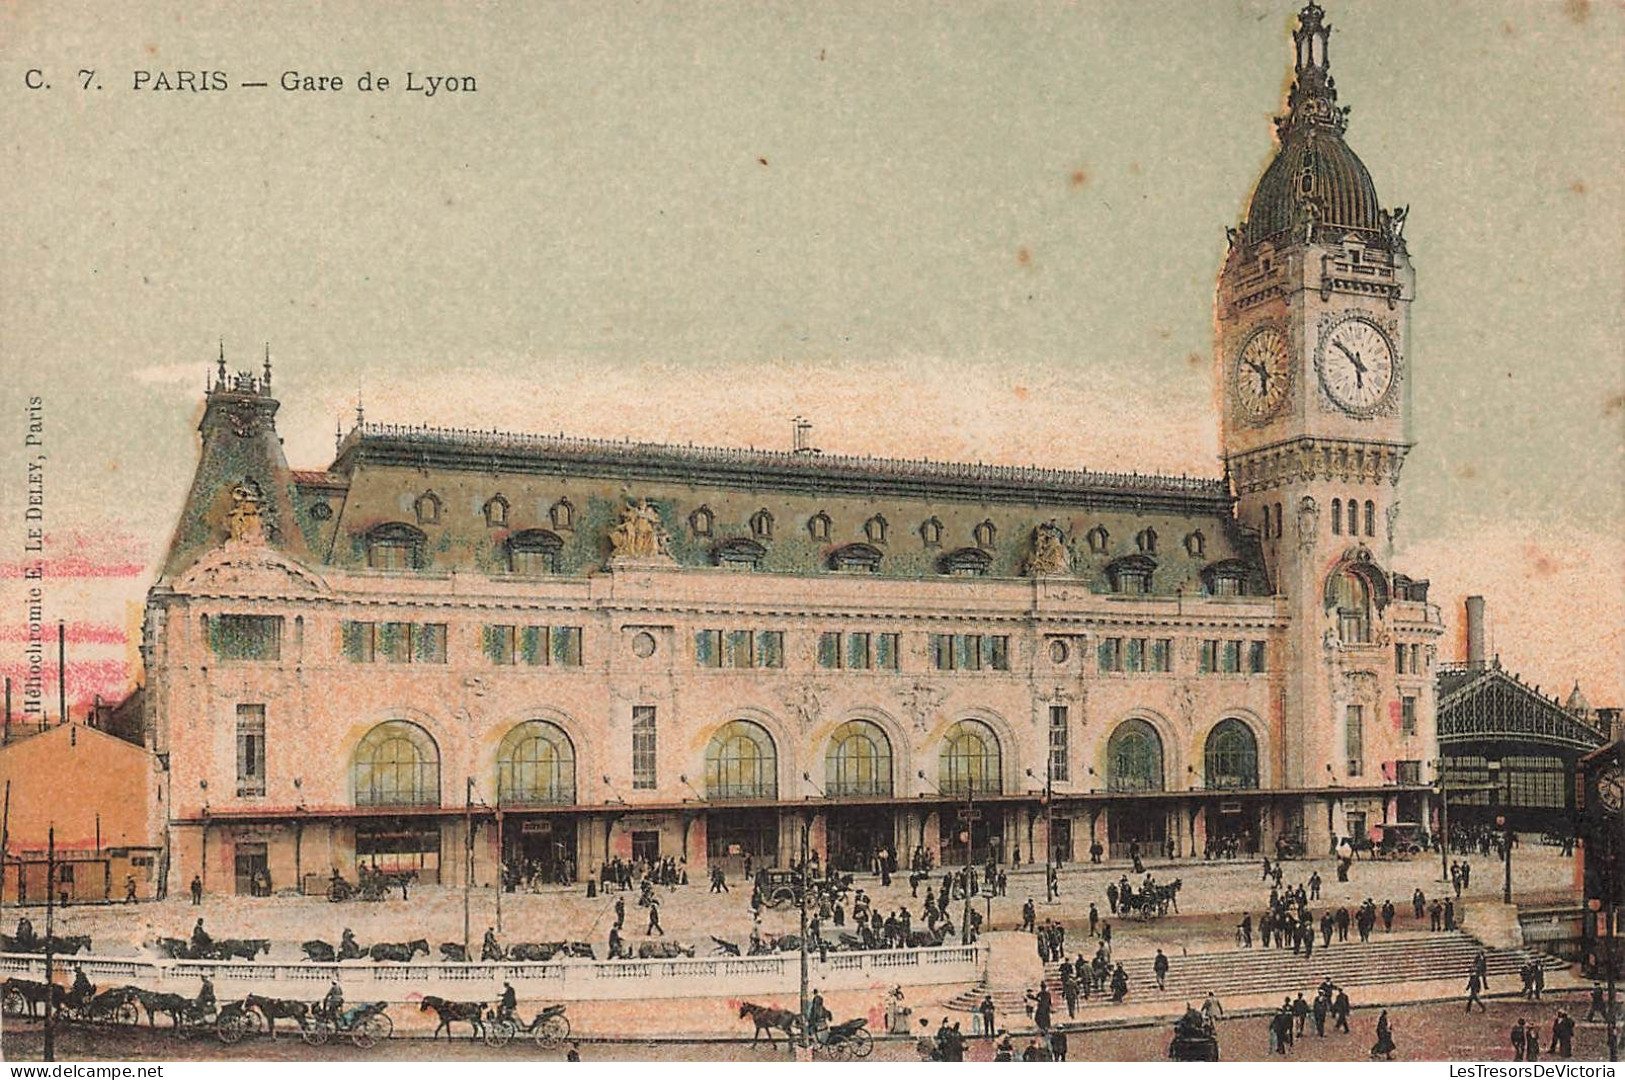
x=1263, y=373
x=1356, y=365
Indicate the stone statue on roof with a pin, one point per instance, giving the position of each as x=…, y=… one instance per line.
x=639, y=534
x=243, y=519
x=1050, y=555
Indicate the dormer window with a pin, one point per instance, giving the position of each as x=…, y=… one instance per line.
x=534, y=553
x=395, y=546
x=1196, y=543
x=1146, y=541
x=1227, y=578
x=986, y=534
x=761, y=525
x=562, y=514
x=818, y=527
x=739, y=553
x=1097, y=538
x=701, y=521
x=856, y=558
x=1131, y=574
x=965, y=562
x=875, y=529
x=427, y=506
x=931, y=532
x=496, y=511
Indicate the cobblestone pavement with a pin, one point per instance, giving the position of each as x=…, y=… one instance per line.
x=1430, y=1032
x=1211, y=900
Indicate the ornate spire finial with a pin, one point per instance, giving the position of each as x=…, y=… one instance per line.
x=360, y=413
x=222, y=368
x=1313, y=101
x=267, y=379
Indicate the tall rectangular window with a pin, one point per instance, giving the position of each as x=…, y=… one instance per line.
x=250, y=750
x=1416, y=659
x=770, y=648
x=1256, y=658
x=1230, y=663
x=829, y=650
x=1162, y=653
x=1407, y=716
x=857, y=652
x=499, y=644
x=1209, y=661
x=1058, y=735
x=737, y=649
x=996, y=652
x=357, y=640
x=246, y=637
x=968, y=652
x=1408, y=772
x=708, y=648
x=1400, y=653
x=429, y=643
x=1354, y=737
x=643, y=747
x=533, y=646
x=1109, y=653
x=566, y=645
x=1134, y=654
x=942, y=652
x=888, y=655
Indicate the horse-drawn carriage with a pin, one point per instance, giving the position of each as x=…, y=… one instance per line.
x=841, y=1042
x=549, y=1028
x=1151, y=900
x=1194, y=1039
x=371, y=885
x=213, y=948
x=365, y=1024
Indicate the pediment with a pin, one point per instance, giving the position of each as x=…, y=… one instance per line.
x=242, y=568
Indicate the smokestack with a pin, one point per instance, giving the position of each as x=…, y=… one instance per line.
x=1475, y=631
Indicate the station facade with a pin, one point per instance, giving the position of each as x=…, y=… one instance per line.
x=454, y=649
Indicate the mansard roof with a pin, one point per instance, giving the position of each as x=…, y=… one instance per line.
x=461, y=449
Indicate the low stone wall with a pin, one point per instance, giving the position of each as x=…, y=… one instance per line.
x=564, y=980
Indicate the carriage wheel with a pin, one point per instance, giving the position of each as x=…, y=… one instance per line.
x=862, y=1043
x=371, y=1030
x=15, y=1004
x=315, y=1033
x=231, y=1027
x=128, y=1012
x=552, y=1031
x=498, y=1033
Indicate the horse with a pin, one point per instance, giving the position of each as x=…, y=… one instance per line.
x=454, y=953
x=158, y=1001
x=534, y=952
x=401, y=952
x=450, y=1012
x=108, y=1004
x=663, y=950
x=33, y=993
x=581, y=949
x=174, y=948
x=766, y=1018
x=70, y=945
x=724, y=948
x=274, y=1009
x=241, y=948
x=319, y=951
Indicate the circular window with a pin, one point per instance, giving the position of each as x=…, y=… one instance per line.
x=644, y=644
x=1058, y=652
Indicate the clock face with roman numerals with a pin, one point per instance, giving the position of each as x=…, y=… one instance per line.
x=1356, y=364
x=1263, y=373
x=1611, y=789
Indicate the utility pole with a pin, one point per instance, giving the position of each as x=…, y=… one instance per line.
x=468, y=862
x=806, y=886
x=502, y=866
x=50, y=931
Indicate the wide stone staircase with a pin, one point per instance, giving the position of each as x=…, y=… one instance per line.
x=1240, y=973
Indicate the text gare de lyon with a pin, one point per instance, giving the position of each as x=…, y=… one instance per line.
x=306, y=82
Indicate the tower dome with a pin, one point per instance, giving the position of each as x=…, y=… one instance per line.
x=1315, y=182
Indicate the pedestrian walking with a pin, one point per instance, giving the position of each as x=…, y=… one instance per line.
x=1340, y=1010
x=1481, y=966
x=988, y=1015
x=1094, y=920
x=129, y=888
x=1519, y=1030
x=1300, y=1012
x=620, y=912
x=1385, y=1038
x=197, y=890
x=1212, y=1011
x=1160, y=967
x=1475, y=984
x=654, y=918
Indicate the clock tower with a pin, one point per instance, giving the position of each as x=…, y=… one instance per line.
x=1313, y=364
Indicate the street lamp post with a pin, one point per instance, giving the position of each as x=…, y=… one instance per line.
x=1598, y=907
x=1506, y=857
x=1050, y=868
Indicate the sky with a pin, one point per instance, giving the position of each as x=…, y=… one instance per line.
x=975, y=231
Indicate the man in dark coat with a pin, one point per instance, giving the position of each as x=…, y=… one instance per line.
x=1160, y=967
x=1475, y=984
x=1318, y=1011
x=1385, y=1038
x=1340, y=1010
x=1517, y=1037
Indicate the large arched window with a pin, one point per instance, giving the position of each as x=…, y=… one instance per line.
x=396, y=764
x=859, y=760
x=1352, y=598
x=395, y=546
x=1231, y=758
x=1134, y=758
x=741, y=763
x=536, y=764
x=971, y=762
